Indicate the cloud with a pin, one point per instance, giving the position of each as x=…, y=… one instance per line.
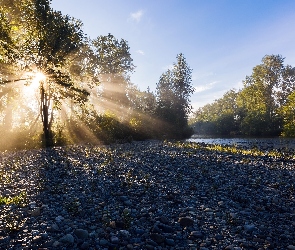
x=140, y=52
x=202, y=88
x=136, y=16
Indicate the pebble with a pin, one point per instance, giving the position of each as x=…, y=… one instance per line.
x=81, y=234
x=249, y=228
x=103, y=242
x=67, y=239
x=186, y=222
x=146, y=195
x=36, y=212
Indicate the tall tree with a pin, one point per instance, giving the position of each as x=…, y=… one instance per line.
x=114, y=63
x=263, y=93
x=46, y=41
x=173, y=97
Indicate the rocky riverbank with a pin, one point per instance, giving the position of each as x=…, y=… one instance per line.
x=145, y=195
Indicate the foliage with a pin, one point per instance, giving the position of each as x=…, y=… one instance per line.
x=173, y=104
x=44, y=40
x=85, y=93
x=220, y=117
x=114, y=63
x=260, y=108
x=288, y=112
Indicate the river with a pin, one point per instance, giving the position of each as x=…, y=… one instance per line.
x=247, y=142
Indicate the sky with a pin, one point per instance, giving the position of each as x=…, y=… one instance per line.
x=222, y=40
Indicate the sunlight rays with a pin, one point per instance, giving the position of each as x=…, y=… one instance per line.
x=33, y=84
x=105, y=117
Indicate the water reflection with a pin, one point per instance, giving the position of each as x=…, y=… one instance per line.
x=261, y=143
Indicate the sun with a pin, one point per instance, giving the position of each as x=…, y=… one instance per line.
x=31, y=90
x=33, y=84
x=39, y=76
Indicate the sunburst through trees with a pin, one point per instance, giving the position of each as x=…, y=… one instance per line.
x=58, y=86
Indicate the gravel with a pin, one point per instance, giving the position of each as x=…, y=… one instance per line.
x=145, y=195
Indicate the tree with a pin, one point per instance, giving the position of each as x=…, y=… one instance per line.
x=114, y=63
x=262, y=95
x=288, y=113
x=46, y=41
x=218, y=118
x=173, y=98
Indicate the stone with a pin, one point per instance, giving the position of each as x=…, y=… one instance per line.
x=129, y=246
x=56, y=244
x=81, y=234
x=115, y=240
x=128, y=203
x=164, y=220
x=103, y=242
x=186, y=221
x=84, y=246
x=4, y=239
x=139, y=231
x=158, y=238
x=149, y=247
x=249, y=228
x=124, y=198
x=54, y=228
x=59, y=218
x=166, y=228
x=67, y=239
x=151, y=242
x=37, y=239
x=196, y=234
x=229, y=247
x=155, y=229
x=44, y=236
x=124, y=233
x=7, y=193
x=291, y=247
x=170, y=242
x=36, y=212
x=219, y=237
x=119, y=224
x=233, y=215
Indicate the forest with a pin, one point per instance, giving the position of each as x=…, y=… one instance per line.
x=265, y=106
x=58, y=86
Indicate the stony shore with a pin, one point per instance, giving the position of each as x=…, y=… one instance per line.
x=145, y=195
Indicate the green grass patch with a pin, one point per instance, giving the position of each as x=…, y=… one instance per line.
x=19, y=200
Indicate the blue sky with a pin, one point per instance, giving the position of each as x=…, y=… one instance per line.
x=222, y=40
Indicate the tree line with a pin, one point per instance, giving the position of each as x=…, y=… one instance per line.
x=265, y=106
x=58, y=86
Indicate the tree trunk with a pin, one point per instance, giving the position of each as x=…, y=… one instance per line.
x=45, y=103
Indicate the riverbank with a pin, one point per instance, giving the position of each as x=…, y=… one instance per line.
x=263, y=143
x=145, y=195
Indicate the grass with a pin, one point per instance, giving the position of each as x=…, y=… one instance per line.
x=19, y=200
x=234, y=150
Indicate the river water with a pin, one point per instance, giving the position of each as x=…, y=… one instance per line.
x=261, y=143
